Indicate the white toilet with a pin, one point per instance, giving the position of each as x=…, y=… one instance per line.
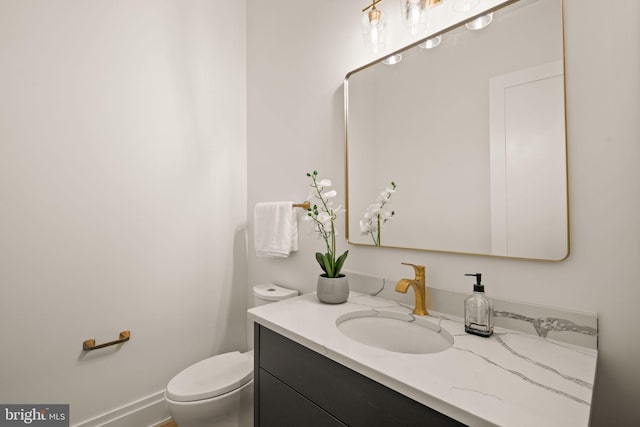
x=218, y=391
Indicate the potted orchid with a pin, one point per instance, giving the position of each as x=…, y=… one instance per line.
x=333, y=287
x=375, y=215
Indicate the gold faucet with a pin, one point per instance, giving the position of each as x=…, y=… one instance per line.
x=419, y=288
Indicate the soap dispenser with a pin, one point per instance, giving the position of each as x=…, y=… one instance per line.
x=478, y=310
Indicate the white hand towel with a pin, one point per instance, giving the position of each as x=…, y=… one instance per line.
x=275, y=226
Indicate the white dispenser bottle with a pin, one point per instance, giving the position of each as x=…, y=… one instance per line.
x=478, y=310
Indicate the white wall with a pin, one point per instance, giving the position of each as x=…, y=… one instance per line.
x=298, y=54
x=123, y=194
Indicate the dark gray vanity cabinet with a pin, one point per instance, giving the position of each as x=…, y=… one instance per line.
x=295, y=387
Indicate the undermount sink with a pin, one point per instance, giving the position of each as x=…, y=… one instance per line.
x=397, y=332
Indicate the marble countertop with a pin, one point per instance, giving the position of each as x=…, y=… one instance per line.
x=509, y=379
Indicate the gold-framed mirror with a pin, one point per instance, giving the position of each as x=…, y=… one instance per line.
x=473, y=133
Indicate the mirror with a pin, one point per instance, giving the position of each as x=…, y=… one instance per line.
x=473, y=134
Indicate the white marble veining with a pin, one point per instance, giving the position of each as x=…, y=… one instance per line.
x=567, y=326
x=509, y=379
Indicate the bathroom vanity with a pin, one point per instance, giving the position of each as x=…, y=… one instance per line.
x=307, y=372
x=316, y=391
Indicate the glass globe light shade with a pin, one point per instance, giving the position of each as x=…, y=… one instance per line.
x=393, y=59
x=431, y=43
x=480, y=22
x=374, y=29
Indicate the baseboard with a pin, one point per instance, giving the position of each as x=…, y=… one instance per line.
x=149, y=411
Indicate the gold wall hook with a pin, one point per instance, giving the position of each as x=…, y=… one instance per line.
x=89, y=345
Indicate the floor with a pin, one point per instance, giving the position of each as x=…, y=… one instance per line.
x=169, y=424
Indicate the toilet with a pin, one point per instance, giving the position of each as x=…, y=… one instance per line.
x=218, y=391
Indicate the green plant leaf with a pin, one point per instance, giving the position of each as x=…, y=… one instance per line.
x=329, y=268
x=339, y=263
x=320, y=258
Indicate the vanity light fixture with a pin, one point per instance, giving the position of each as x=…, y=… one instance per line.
x=414, y=13
x=463, y=6
x=393, y=59
x=431, y=43
x=480, y=22
x=374, y=27
x=374, y=22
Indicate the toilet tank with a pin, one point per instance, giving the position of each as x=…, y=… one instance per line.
x=268, y=292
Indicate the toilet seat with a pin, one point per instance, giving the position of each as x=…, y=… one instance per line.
x=211, y=377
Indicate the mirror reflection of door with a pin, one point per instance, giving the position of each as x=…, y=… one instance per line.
x=528, y=166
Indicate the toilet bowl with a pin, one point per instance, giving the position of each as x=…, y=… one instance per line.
x=218, y=391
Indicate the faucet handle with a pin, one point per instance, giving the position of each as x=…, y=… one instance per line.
x=419, y=269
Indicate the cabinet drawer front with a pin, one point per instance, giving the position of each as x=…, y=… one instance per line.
x=281, y=406
x=352, y=398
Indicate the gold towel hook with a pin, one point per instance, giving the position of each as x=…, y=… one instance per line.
x=304, y=205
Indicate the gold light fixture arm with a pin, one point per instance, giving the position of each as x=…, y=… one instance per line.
x=372, y=5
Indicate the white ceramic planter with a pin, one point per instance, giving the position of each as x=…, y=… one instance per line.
x=332, y=290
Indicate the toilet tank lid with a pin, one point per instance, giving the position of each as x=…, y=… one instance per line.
x=271, y=292
x=211, y=377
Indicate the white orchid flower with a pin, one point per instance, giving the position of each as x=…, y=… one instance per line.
x=386, y=216
x=367, y=227
x=384, y=197
x=375, y=216
x=374, y=208
x=324, y=217
x=330, y=194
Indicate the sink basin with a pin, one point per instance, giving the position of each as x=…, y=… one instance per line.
x=397, y=332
